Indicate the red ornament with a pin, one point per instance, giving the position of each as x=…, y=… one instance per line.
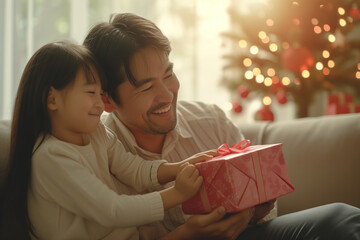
x=264, y=114
x=297, y=59
x=281, y=97
x=354, y=13
x=236, y=107
x=243, y=91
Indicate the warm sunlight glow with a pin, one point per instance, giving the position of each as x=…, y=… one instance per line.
x=242, y=43
x=267, y=100
x=305, y=74
x=228, y=106
x=319, y=66
x=326, y=54
x=254, y=50
x=285, y=81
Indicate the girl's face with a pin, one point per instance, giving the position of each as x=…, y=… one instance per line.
x=76, y=110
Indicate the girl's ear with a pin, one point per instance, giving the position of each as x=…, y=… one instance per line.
x=108, y=103
x=51, y=99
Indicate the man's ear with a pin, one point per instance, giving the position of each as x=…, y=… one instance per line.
x=51, y=99
x=108, y=103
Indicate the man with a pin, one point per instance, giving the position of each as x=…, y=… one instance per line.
x=142, y=93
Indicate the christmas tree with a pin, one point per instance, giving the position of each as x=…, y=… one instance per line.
x=289, y=50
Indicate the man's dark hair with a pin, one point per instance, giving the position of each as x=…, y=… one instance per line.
x=114, y=43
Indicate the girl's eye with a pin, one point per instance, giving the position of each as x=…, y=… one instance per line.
x=91, y=92
x=170, y=75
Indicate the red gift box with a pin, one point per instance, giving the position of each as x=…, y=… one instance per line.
x=241, y=177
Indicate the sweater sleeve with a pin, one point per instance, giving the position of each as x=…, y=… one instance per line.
x=130, y=168
x=57, y=177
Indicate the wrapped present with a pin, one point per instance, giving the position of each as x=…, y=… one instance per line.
x=240, y=177
x=341, y=103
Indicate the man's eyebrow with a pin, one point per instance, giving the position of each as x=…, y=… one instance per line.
x=146, y=80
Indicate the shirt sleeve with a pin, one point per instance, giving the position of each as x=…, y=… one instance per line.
x=227, y=131
x=57, y=177
x=130, y=168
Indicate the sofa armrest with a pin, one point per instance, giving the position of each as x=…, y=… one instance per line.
x=323, y=159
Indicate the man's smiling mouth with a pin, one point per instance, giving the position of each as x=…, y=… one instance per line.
x=162, y=110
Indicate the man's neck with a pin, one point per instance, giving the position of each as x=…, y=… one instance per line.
x=150, y=142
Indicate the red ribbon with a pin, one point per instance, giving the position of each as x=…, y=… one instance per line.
x=236, y=148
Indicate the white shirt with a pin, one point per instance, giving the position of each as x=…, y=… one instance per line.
x=73, y=194
x=200, y=127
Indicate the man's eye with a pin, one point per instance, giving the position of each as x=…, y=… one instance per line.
x=146, y=89
x=91, y=92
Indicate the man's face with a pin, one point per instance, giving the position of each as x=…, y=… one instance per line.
x=150, y=106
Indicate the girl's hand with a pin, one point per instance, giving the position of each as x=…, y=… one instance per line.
x=201, y=156
x=188, y=181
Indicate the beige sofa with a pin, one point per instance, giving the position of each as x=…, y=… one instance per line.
x=322, y=155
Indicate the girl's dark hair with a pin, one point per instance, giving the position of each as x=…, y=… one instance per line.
x=114, y=43
x=56, y=65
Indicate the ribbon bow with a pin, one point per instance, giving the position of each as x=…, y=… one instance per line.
x=236, y=148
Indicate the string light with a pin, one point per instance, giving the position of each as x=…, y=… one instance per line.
x=326, y=71
x=242, y=43
x=357, y=75
x=326, y=54
x=296, y=21
x=331, y=64
x=317, y=29
x=228, y=106
x=266, y=40
x=273, y=47
x=342, y=22
x=314, y=21
x=269, y=22
x=275, y=79
x=358, y=65
x=260, y=78
x=332, y=38
x=305, y=74
x=319, y=66
x=271, y=72
x=247, y=62
x=326, y=27
x=267, y=100
x=297, y=81
x=254, y=50
x=256, y=71
x=262, y=35
x=249, y=75
x=285, y=45
x=267, y=82
x=285, y=81
x=341, y=11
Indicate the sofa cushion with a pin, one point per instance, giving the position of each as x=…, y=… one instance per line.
x=322, y=156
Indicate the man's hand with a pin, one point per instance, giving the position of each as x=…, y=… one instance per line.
x=262, y=210
x=215, y=226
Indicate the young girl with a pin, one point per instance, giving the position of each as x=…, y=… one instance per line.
x=63, y=161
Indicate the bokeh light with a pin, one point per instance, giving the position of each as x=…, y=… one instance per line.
x=267, y=100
